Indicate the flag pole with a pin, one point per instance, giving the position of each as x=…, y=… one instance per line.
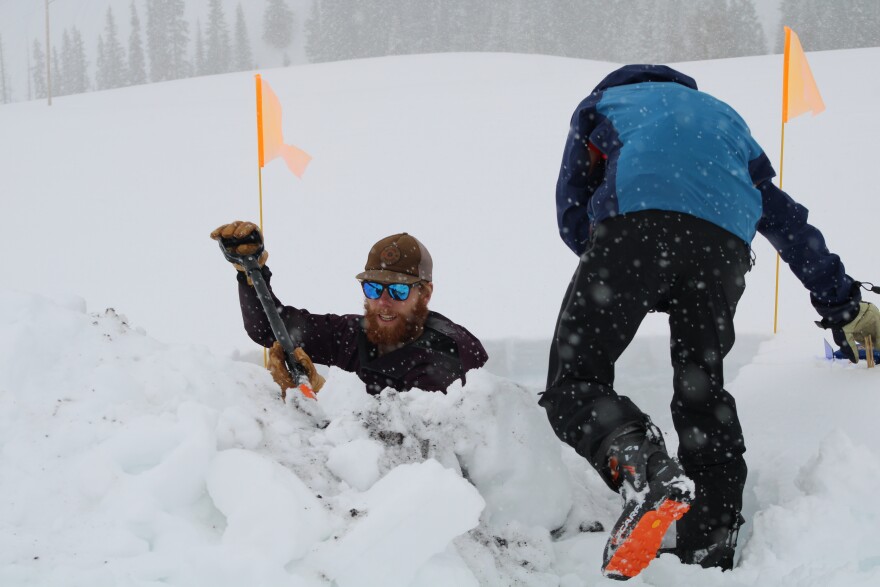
x=260, y=154
x=786, y=56
x=778, y=256
x=260, y=163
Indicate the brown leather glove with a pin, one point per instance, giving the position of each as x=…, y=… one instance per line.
x=240, y=229
x=278, y=368
x=316, y=380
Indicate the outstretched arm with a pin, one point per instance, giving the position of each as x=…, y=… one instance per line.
x=834, y=294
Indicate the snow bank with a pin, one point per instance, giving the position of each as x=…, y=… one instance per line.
x=126, y=461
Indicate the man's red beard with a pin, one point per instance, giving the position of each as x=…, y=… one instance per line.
x=405, y=330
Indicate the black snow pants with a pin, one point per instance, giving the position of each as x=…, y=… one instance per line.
x=694, y=271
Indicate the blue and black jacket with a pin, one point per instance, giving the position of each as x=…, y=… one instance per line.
x=647, y=139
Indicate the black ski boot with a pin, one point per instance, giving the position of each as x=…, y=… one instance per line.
x=656, y=492
x=718, y=554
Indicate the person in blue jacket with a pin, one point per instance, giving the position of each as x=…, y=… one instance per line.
x=661, y=191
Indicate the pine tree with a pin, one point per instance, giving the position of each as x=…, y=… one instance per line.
x=5, y=89
x=100, y=66
x=167, y=40
x=408, y=35
x=114, y=74
x=58, y=88
x=396, y=30
x=38, y=72
x=836, y=30
x=583, y=28
x=392, y=31
x=278, y=21
x=178, y=39
x=317, y=35
x=244, y=59
x=710, y=36
x=748, y=34
x=66, y=73
x=800, y=16
x=158, y=48
x=333, y=31
x=199, y=60
x=673, y=19
x=843, y=24
x=513, y=29
x=548, y=29
x=218, y=49
x=137, y=67
x=527, y=19
x=642, y=41
x=79, y=78
x=30, y=77
x=867, y=33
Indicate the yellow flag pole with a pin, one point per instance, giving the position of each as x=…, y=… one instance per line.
x=781, y=166
x=260, y=153
x=260, y=163
x=786, y=56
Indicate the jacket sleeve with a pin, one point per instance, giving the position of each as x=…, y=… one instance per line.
x=834, y=294
x=327, y=338
x=578, y=179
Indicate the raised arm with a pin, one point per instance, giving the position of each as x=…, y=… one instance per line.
x=327, y=338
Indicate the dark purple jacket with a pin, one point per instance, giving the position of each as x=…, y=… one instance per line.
x=444, y=352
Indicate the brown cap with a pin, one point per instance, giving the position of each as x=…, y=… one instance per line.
x=399, y=258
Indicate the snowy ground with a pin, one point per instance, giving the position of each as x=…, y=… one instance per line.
x=138, y=451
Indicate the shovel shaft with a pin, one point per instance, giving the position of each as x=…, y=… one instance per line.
x=254, y=272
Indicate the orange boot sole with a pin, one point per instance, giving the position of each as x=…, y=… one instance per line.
x=641, y=547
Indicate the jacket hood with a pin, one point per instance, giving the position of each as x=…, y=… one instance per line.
x=636, y=74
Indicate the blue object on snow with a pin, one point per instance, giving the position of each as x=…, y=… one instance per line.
x=838, y=354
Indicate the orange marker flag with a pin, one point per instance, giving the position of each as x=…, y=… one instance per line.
x=269, y=138
x=799, y=91
x=800, y=94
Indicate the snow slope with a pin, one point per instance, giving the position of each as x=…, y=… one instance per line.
x=115, y=192
x=135, y=452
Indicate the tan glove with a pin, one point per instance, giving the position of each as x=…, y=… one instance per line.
x=278, y=368
x=240, y=229
x=316, y=380
x=866, y=323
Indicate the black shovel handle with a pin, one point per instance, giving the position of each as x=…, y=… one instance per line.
x=254, y=272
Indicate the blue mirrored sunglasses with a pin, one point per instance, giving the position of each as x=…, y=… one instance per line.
x=398, y=291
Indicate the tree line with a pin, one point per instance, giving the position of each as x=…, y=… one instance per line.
x=620, y=31
x=823, y=25
x=158, y=50
x=608, y=30
x=168, y=47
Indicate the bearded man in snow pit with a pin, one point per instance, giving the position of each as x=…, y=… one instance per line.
x=396, y=343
